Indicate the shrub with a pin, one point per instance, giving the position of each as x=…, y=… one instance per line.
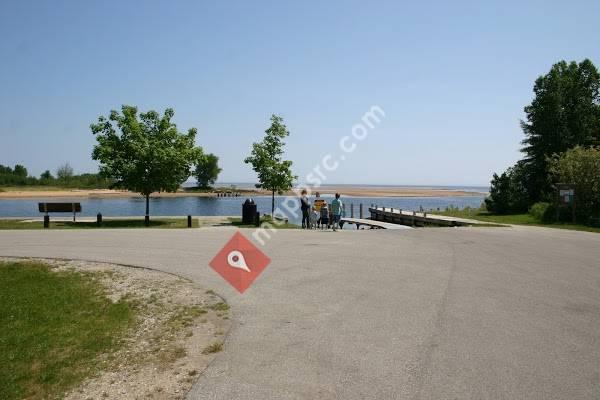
x=581, y=167
x=543, y=212
x=508, y=193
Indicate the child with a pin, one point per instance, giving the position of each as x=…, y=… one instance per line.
x=324, y=216
x=317, y=204
x=314, y=217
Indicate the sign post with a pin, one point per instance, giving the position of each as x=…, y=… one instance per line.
x=566, y=197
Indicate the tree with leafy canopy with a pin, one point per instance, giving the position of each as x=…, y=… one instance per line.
x=266, y=158
x=144, y=153
x=207, y=170
x=64, y=173
x=564, y=113
x=20, y=171
x=580, y=167
x=46, y=178
x=46, y=175
x=507, y=193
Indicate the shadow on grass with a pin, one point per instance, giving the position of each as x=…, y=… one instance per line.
x=116, y=223
x=237, y=222
x=167, y=223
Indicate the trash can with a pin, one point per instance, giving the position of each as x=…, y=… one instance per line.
x=248, y=212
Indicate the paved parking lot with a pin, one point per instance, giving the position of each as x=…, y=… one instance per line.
x=447, y=313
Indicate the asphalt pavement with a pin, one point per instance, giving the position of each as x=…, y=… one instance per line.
x=431, y=313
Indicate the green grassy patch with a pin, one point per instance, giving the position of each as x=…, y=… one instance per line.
x=107, y=223
x=54, y=325
x=512, y=219
x=34, y=188
x=235, y=221
x=219, y=307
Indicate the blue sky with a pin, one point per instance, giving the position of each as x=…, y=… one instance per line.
x=452, y=78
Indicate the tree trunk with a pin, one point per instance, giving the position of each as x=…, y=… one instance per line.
x=147, y=216
x=273, y=205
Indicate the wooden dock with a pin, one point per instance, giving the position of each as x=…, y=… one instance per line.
x=413, y=218
x=372, y=224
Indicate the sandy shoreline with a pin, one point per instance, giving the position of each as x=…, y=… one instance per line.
x=355, y=191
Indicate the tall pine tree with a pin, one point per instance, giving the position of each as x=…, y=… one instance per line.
x=564, y=113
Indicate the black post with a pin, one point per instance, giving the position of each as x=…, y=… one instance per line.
x=46, y=221
x=257, y=220
x=273, y=205
x=99, y=219
x=147, y=216
x=189, y=221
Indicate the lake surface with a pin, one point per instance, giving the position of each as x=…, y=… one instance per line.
x=174, y=206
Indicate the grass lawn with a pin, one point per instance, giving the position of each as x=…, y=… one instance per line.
x=54, y=325
x=106, y=223
x=513, y=219
x=238, y=222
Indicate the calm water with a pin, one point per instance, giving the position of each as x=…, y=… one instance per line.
x=219, y=205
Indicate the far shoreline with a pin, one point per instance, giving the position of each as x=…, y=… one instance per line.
x=350, y=191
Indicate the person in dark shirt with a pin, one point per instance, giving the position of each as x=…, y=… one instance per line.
x=305, y=208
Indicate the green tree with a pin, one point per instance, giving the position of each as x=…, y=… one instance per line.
x=6, y=175
x=46, y=175
x=144, y=154
x=266, y=158
x=581, y=167
x=207, y=170
x=564, y=113
x=20, y=171
x=64, y=173
x=508, y=193
x=46, y=178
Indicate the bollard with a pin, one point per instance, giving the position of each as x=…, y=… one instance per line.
x=351, y=210
x=46, y=221
x=189, y=221
x=99, y=219
x=360, y=210
x=391, y=209
x=147, y=220
x=257, y=219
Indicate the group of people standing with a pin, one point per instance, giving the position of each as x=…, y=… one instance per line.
x=321, y=215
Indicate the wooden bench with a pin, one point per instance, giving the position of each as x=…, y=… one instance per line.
x=60, y=207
